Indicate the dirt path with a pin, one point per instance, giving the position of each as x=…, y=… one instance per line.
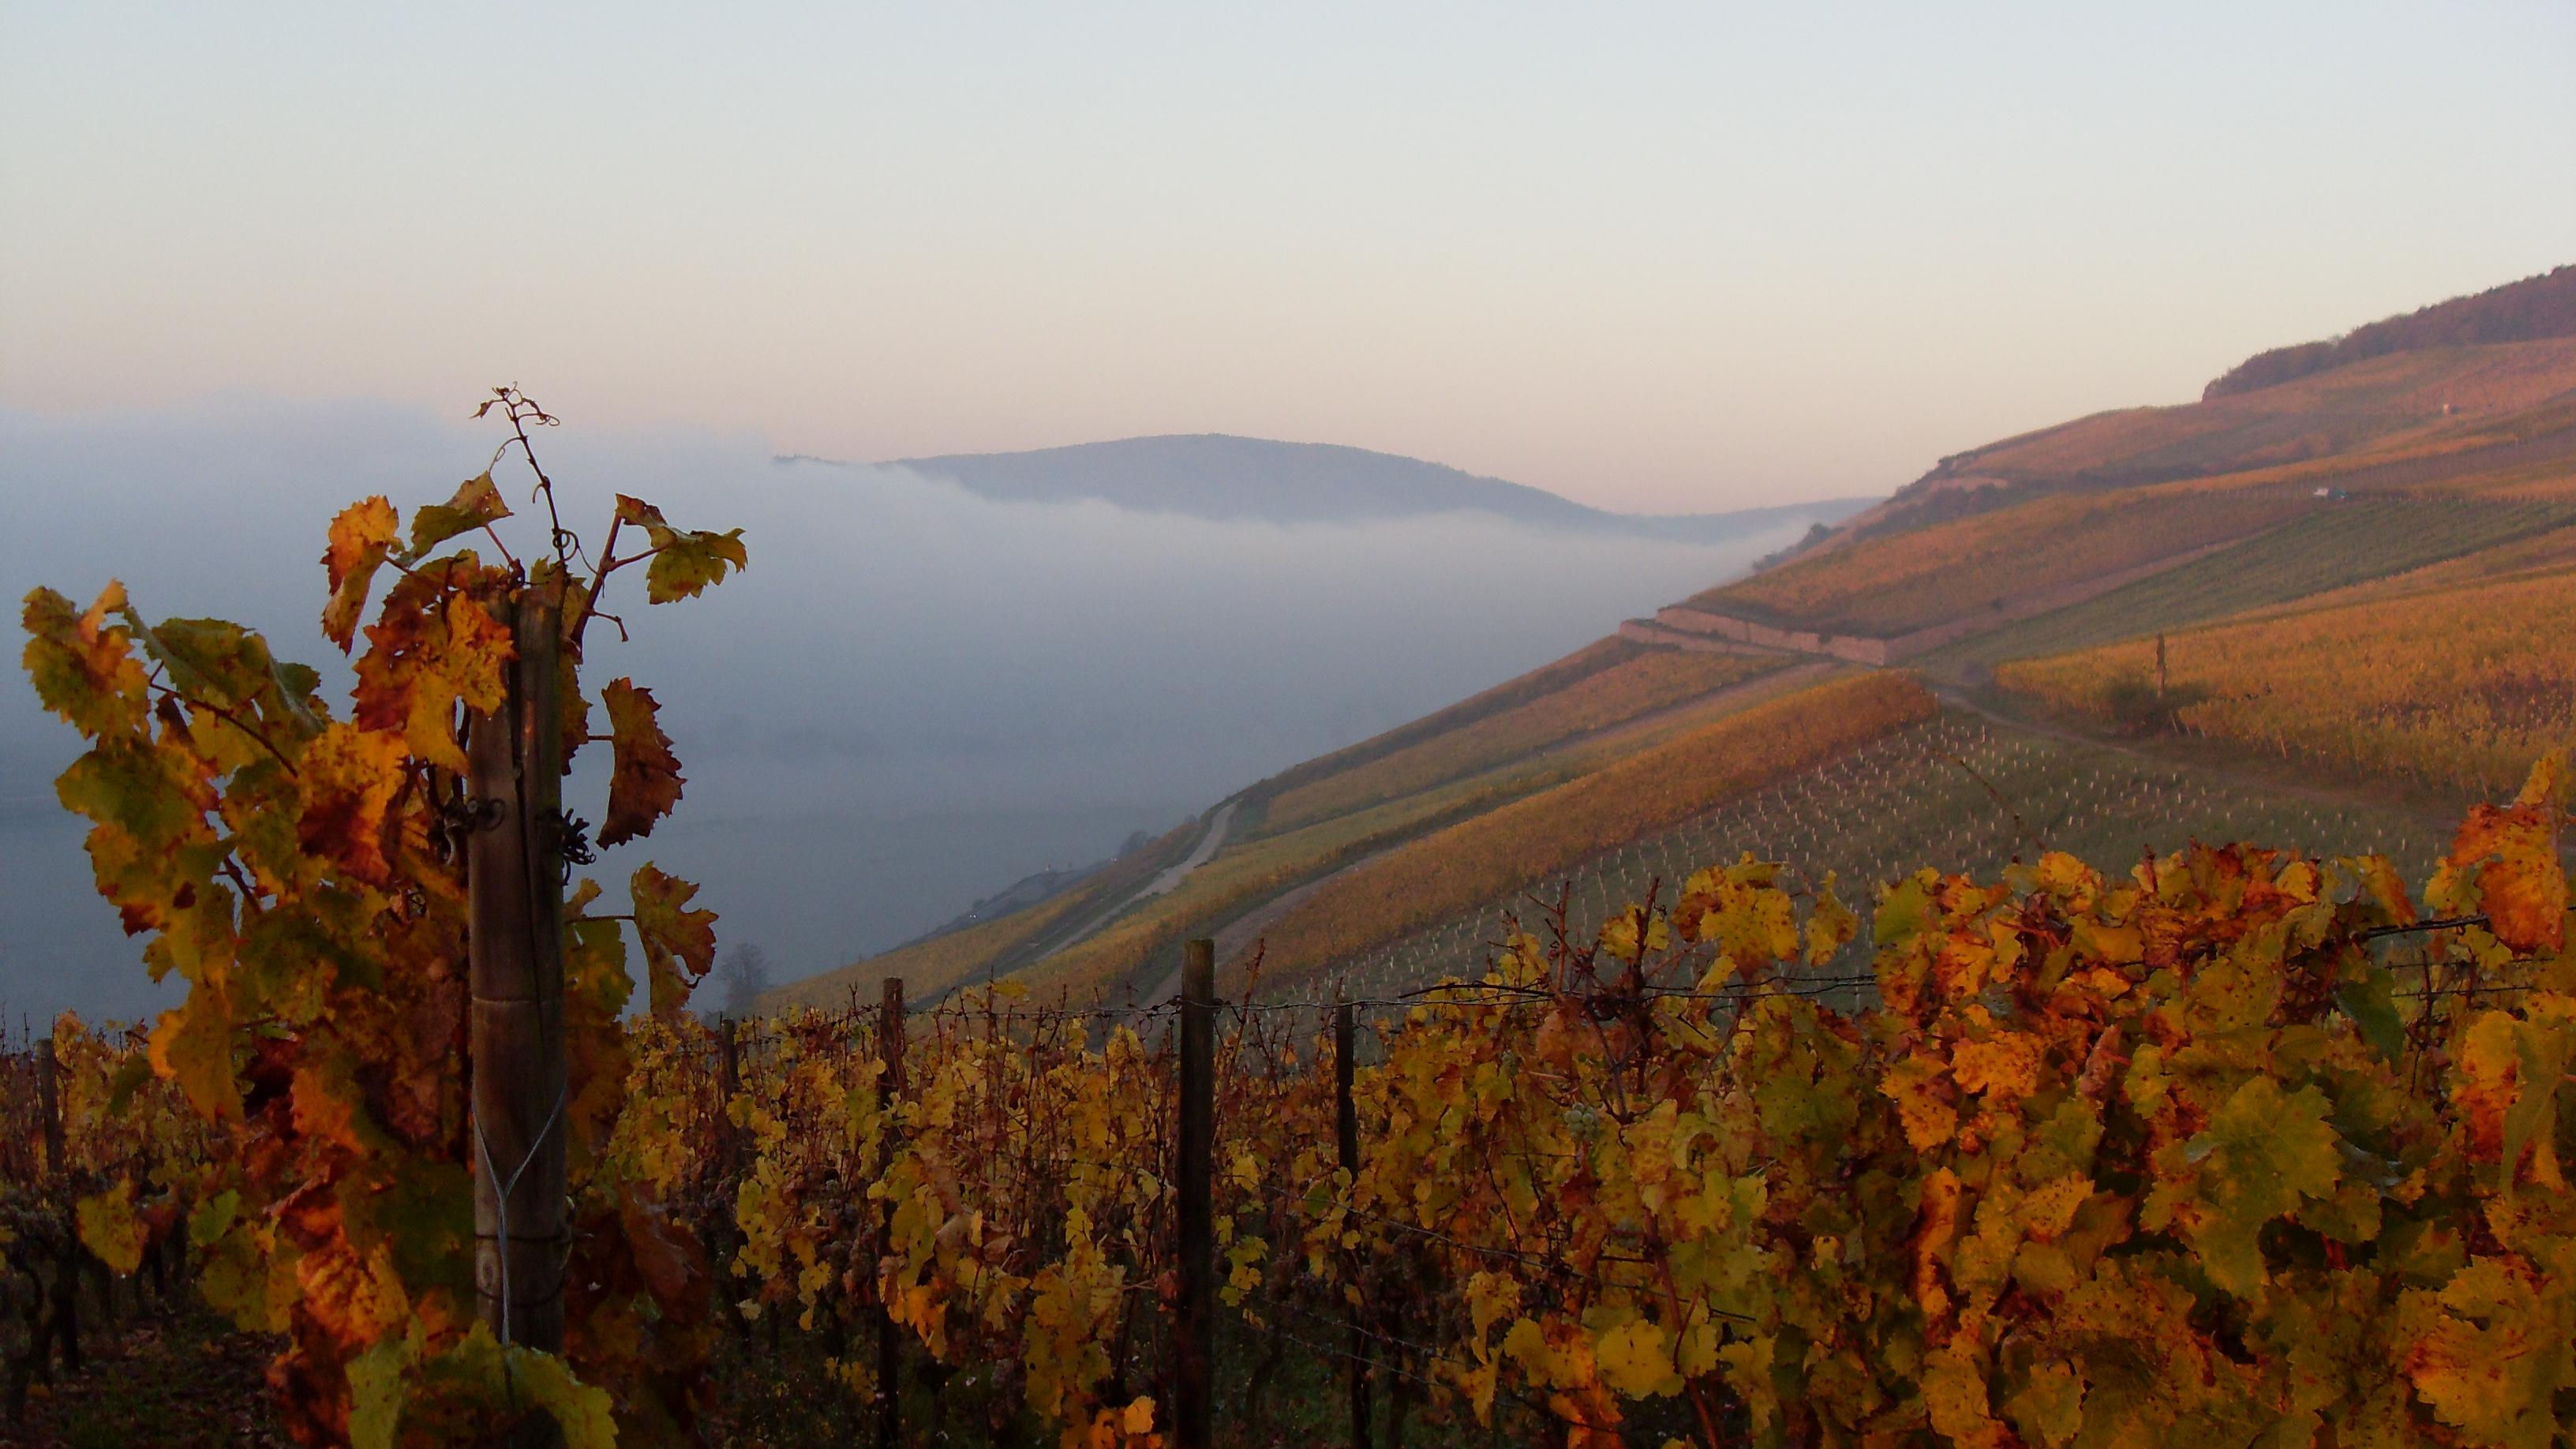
x=1210, y=841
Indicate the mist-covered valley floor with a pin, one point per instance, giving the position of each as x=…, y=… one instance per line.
x=914, y=696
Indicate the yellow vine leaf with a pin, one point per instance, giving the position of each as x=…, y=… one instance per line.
x=109, y=1228
x=361, y=536
x=1636, y=1359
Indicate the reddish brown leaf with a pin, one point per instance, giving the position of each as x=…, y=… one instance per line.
x=2521, y=888
x=669, y=1261
x=645, y=784
x=349, y=776
x=679, y=943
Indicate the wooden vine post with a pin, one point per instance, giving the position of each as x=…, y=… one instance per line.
x=728, y=1086
x=65, y=1320
x=889, y=1364
x=1346, y=1137
x=514, y=884
x=1194, y=1325
x=49, y=1103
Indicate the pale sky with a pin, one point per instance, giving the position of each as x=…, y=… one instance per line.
x=1654, y=258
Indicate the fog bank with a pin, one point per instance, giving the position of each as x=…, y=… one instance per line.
x=914, y=696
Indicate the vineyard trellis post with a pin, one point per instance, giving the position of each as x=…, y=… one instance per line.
x=514, y=884
x=49, y=1102
x=1194, y=1325
x=1346, y=1137
x=890, y=1083
x=728, y=1083
x=66, y=1316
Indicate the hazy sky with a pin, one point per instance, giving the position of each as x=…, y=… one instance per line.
x=1668, y=258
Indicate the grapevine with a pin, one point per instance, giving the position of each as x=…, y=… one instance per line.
x=300, y=870
x=2237, y=1145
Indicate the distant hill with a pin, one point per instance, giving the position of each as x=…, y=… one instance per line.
x=2425, y=444
x=1217, y=476
x=2494, y=372
x=2524, y=311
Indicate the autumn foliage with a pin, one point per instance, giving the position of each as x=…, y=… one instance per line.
x=2236, y=1146
x=2239, y=1145
x=2462, y=686
x=301, y=871
x=1535, y=839
x=1613, y=696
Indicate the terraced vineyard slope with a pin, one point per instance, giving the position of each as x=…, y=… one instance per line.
x=2369, y=563
x=2463, y=686
x=1955, y=788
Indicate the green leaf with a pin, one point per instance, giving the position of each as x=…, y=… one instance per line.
x=1902, y=912
x=133, y=1073
x=685, y=561
x=213, y=1218
x=477, y=502
x=582, y=1411
x=83, y=667
x=2368, y=996
x=224, y=664
x=2258, y=1157
x=379, y=1381
x=513, y=1378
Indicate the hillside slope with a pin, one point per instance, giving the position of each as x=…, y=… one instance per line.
x=2436, y=380
x=2360, y=581
x=2384, y=465
x=2533, y=308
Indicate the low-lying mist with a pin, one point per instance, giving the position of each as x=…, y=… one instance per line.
x=913, y=697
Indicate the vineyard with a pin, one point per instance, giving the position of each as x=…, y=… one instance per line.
x=2338, y=547
x=1259, y=869
x=1597, y=701
x=2232, y=1144
x=1957, y=789
x=951, y=960
x=1536, y=838
x=2241, y=1143
x=1547, y=679
x=2464, y=688
x=1320, y=841
x=1882, y=587
x=2401, y=403
x=1136, y=949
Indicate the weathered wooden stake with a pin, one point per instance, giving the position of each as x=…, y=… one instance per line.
x=514, y=886
x=1194, y=1326
x=1346, y=1134
x=889, y=1365
x=65, y=1321
x=49, y=1102
x=728, y=1083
